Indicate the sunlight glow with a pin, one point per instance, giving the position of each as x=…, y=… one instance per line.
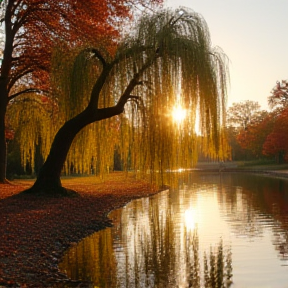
x=190, y=219
x=179, y=114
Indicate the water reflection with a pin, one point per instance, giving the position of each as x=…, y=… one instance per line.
x=186, y=238
x=256, y=204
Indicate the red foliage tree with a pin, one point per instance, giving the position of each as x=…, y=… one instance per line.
x=33, y=27
x=276, y=143
x=279, y=95
x=254, y=136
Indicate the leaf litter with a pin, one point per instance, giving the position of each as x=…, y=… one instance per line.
x=36, y=231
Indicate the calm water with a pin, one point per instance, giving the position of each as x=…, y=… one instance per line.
x=213, y=226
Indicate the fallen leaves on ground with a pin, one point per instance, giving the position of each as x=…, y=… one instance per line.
x=35, y=231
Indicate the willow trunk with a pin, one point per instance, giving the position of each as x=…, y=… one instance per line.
x=48, y=179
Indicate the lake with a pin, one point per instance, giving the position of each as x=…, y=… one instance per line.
x=228, y=229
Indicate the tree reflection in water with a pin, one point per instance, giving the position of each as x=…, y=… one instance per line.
x=155, y=243
x=252, y=203
x=152, y=244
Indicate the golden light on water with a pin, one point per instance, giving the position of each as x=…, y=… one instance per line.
x=190, y=219
x=178, y=114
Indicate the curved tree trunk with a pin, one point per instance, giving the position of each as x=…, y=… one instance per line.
x=48, y=180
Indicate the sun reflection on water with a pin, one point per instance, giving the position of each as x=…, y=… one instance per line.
x=176, y=238
x=190, y=219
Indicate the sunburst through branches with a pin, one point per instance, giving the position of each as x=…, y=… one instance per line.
x=167, y=50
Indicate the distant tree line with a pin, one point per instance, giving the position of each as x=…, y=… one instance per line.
x=258, y=134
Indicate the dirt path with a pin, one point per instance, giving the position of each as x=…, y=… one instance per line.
x=35, y=232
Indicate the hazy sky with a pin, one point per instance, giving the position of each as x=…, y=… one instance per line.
x=254, y=36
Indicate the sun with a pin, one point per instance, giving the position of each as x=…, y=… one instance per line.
x=178, y=114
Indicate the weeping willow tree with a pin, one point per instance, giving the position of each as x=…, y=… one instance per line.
x=34, y=119
x=125, y=99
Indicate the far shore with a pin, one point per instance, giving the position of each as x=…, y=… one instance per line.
x=269, y=169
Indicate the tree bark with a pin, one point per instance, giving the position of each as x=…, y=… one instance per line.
x=48, y=180
x=3, y=147
x=4, y=90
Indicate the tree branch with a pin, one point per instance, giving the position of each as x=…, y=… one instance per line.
x=27, y=91
x=13, y=80
x=134, y=82
x=94, y=98
x=98, y=54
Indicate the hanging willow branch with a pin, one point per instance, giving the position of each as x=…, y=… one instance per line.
x=168, y=60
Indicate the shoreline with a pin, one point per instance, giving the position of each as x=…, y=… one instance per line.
x=37, y=231
x=272, y=173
